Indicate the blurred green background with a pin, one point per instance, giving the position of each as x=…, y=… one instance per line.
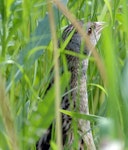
x=26, y=61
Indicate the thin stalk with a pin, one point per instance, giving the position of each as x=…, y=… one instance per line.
x=57, y=78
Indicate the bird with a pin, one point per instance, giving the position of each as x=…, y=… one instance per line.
x=77, y=98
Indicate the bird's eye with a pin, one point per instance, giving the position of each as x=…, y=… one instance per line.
x=89, y=31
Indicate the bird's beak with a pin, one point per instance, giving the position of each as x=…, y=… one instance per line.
x=100, y=26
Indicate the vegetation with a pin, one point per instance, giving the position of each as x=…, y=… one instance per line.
x=26, y=59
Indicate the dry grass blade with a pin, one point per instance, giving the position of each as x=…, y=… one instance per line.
x=7, y=118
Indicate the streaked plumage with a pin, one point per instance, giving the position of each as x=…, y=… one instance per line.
x=70, y=101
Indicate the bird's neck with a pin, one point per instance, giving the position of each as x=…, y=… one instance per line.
x=78, y=69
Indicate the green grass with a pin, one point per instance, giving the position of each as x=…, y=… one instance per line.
x=26, y=60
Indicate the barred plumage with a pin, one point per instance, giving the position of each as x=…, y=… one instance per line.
x=78, y=69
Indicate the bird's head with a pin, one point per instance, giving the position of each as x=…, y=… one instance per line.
x=93, y=31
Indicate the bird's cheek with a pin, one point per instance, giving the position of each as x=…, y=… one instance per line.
x=93, y=40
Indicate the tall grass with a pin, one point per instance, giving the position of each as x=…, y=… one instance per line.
x=26, y=60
